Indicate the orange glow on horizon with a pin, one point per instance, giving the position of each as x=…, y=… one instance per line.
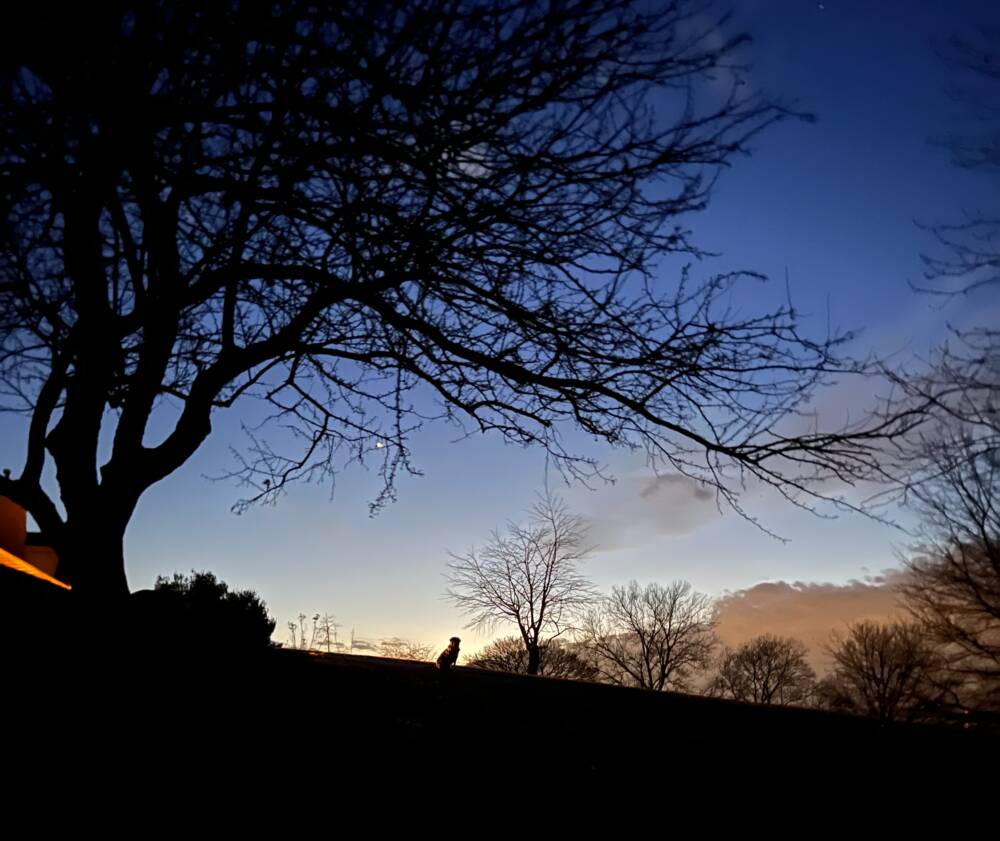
x=14, y=562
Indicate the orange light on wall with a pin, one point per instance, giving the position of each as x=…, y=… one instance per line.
x=15, y=563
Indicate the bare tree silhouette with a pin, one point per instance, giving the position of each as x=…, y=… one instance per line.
x=653, y=637
x=366, y=215
x=961, y=382
x=892, y=672
x=528, y=576
x=765, y=670
x=953, y=587
x=970, y=258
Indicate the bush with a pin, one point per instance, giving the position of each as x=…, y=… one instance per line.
x=201, y=611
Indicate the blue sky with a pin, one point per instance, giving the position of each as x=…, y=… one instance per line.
x=832, y=203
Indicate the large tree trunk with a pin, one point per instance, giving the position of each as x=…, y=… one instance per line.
x=92, y=561
x=534, y=658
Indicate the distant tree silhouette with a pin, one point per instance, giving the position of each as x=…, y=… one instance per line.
x=507, y=654
x=765, y=670
x=326, y=633
x=887, y=671
x=528, y=576
x=401, y=649
x=556, y=659
x=205, y=612
x=301, y=635
x=349, y=211
x=653, y=637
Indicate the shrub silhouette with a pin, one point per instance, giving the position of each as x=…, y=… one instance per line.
x=201, y=611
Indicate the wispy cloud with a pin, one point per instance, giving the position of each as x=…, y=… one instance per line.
x=639, y=508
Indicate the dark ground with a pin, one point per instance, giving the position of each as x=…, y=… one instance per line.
x=291, y=722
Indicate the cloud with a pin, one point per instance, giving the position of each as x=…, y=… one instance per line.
x=660, y=485
x=639, y=508
x=810, y=612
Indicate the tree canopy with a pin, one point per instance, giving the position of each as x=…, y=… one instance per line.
x=367, y=215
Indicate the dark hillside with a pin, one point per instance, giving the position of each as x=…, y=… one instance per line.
x=183, y=712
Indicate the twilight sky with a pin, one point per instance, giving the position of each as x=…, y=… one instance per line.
x=832, y=203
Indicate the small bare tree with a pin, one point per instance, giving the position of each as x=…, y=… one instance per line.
x=326, y=633
x=765, y=670
x=887, y=671
x=301, y=637
x=652, y=637
x=528, y=576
